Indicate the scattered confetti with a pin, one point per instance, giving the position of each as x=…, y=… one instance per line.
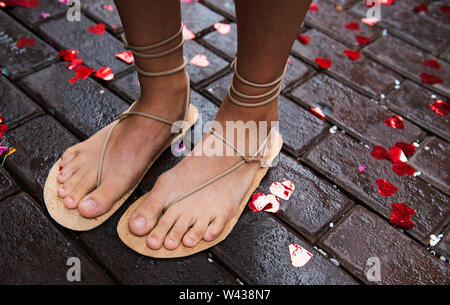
x=260, y=202
x=222, y=28
x=44, y=15
x=362, y=168
x=354, y=26
x=3, y=129
x=421, y=8
x=299, y=256
x=352, y=54
x=385, y=188
x=333, y=129
x=11, y=150
x=282, y=189
x=104, y=73
x=200, y=60
x=430, y=79
x=97, y=29
x=303, y=39
x=108, y=7
x=74, y=63
x=370, y=21
x=434, y=240
x=396, y=155
x=324, y=63
x=68, y=54
x=23, y=3
x=25, y=42
x=187, y=33
x=380, y=153
x=408, y=149
x=126, y=56
x=317, y=111
x=362, y=40
x=440, y=107
x=313, y=7
x=402, y=168
x=432, y=63
x=395, y=121
x=83, y=72
x=445, y=8
x=387, y=2
x=401, y=215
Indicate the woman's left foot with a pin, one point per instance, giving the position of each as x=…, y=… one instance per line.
x=203, y=214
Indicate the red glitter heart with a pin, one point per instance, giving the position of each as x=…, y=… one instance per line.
x=73, y=80
x=68, y=55
x=200, y=60
x=387, y=2
x=440, y=107
x=421, y=8
x=23, y=3
x=445, y=8
x=396, y=155
x=109, y=7
x=261, y=202
x=81, y=71
x=98, y=29
x=324, y=63
x=3, y=129
x=395, y=121
x=362, y=40
x=126, y=56
x=352, y=54
x=354, y=26
x=104, y=73
x=401, y=214
x=407, y=148
x=303, y=39
x=313, y=7
x=385, y=188
x=187, y=33
x=379, y=153
x=25, y=42
x=317, y=111
x=430, y=79
x=403, y=169
x=74, y=63
x=432, y=63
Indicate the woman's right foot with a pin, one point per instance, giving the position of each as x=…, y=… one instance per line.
x=133, y=144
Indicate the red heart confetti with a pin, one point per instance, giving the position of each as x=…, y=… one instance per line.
x=98, y=29
x=362, y=40
x=445, y=8
x=25, y=42
x=380, y=153
x=313, y=7
x=108, y=7
x=261, y=202
x=369, y=21
x=303, y=39
x=44, y=15
x=74, y=63
x=73, y=80
x=200, y=60
x=23, y=3
x=421, y=8
x=222, y=28
x=403, y=169
x=104, y=73
x=187, y=33
x=395, y=121
x=352, y=54
x=432, y=63
x=354, y=26
x=3, y=129
x=283, y=189
x=387, y=2
x=397, y=155
x=407, y=148
x=362, y=168
x=385, y=188
x=81, y=71
x=317, y=111
x=68, y=55
x=440, y=107
x=324, y=63
x=299, y=256
x=401, y=214
x=430, y=79
x=126, y=56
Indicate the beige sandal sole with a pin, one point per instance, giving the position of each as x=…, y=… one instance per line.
x=138, y=243
x=72, y=219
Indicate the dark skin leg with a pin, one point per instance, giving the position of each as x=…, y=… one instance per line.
x=266, y=32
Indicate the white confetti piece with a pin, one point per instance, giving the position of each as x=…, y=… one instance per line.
x=299, y=256
x=283, y=189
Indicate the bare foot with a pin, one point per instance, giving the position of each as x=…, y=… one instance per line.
x=133, y=143
x=203, y=214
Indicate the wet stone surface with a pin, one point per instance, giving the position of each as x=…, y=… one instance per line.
x=15, y=107
x=258, y=250
x=127, y=87
x=21, y=61
x=33, y=16
x=338, y=157
x=413, y=102
x=224, y=44
x=39, y=143
x=198, y=17
x=363, y=74
x=96, y=50
x=408, y=62
x=313, y=205
x=224, y=7
x=7, y=184
x=103, y=11
x=84, y=107
x=29, y=239
x=363, y=235
x=353, y=112
x=432, y=161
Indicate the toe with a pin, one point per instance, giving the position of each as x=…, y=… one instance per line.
x=69, y=155
x=83, y=187
x=146, y=215
x=156, y=237
x=196, y=233
x=98, y=202
x=175, y=235
x=69, y=170
x=69, y=186
x=215, y=228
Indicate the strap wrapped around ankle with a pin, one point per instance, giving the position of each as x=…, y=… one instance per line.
x=274, y=92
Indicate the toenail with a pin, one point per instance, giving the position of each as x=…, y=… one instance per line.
x=89, y=204
x=171, y=242
x=61, y=190
x=139, y=222
x=69, y=200
x=190, y=241
x=153, y=241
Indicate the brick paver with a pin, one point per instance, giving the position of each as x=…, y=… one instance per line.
x=335, y=212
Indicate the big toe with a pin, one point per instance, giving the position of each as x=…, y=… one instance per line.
x=96, y=203
x=146, y=215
